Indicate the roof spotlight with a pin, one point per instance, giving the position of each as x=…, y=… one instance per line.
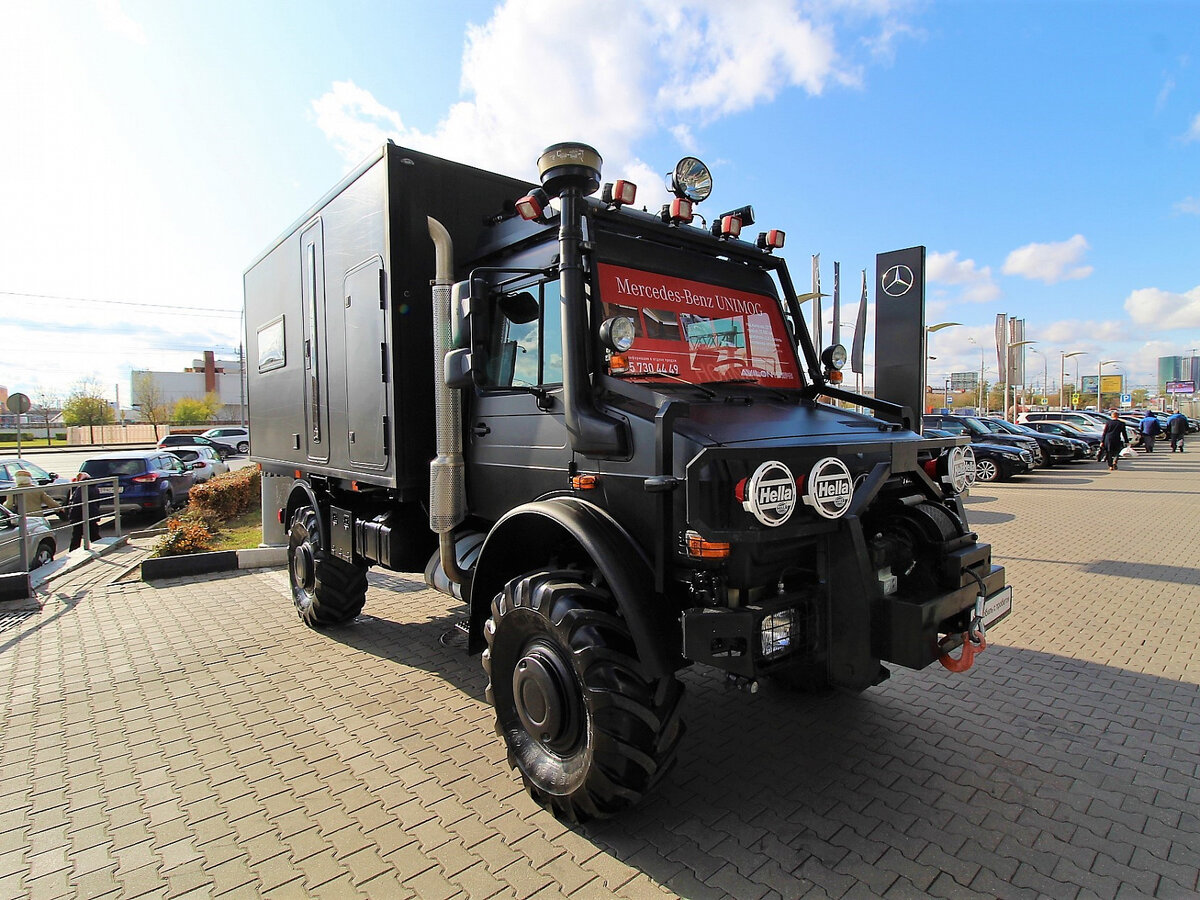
x=691, y=180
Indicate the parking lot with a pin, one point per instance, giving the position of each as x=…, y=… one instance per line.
x=192, y=738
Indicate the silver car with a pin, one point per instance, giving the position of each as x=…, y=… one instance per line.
x=39, y=541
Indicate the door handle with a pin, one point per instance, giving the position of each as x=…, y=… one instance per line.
x=481, y=429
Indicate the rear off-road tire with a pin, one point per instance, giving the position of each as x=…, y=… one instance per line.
x=327, y=591
x=589, y=732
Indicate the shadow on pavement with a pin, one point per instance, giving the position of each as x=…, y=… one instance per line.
x=1031, y=773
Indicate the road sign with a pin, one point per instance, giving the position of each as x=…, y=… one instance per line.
x=18, y=403
x=1075, y=399
x=1127, y=399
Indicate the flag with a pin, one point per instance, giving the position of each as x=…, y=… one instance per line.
x=860, y=330
x=837, y=304
x=1002, y=346
x=816, y=286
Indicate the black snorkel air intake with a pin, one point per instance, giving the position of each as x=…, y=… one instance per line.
x=571, y=172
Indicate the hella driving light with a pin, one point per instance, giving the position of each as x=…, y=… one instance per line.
x=777, y=633
x=834, y=356
x=691, y=180
x=617, y=334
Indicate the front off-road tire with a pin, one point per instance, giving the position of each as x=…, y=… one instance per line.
x=587, y=730
x=327, y=591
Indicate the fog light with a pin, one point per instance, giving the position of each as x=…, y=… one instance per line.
x=777, y=633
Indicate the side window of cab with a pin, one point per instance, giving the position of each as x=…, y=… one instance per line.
x=525, y=349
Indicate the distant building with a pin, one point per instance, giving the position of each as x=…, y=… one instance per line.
x=1177, y=368
x=204, y=376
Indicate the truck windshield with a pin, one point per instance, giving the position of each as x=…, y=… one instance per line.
x=697, y=332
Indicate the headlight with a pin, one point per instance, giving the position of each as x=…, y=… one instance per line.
x=617, y=333
x=777, y=634
x=691, y=180
x=834, y=356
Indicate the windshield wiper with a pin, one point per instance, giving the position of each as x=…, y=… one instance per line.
x=708, y=392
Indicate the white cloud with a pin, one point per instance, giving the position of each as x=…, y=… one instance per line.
x=1164, y=93
x=947, y=268
x=116, y=20
x=1193, y=132
x=1049, y=263
x=1163, y=310
x=1078, y=334
x=354, y=121
x=641, y=67
x=1188, y=205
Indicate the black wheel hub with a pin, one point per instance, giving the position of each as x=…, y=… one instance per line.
x=546, y=698
x=303, y=567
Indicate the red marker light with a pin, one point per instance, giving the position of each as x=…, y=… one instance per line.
x=624, y=193
x=681, y=211
x=731, y=226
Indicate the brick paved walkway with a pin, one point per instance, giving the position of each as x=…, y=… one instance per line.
x=193, y=739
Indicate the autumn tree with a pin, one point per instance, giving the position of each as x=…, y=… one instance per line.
x=86, y=405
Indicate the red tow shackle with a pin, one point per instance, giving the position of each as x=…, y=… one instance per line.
x=967, y=658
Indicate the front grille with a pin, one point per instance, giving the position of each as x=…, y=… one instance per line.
x=1026, y=456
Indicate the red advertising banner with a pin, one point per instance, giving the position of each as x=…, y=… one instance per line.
x=699, y=332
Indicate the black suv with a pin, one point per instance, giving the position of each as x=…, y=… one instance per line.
x=978, y=432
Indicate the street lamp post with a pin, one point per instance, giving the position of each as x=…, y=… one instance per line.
x=1062, y=374
x=1009, y=360
x=1045, y=375
x=928, y=330
x=980, y=404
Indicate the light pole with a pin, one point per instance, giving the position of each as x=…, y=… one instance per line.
x=980, y=404
x=1045, y=375
x=1062, y=374
x=928, y=330
x=1009, y=360
x=1100, y=379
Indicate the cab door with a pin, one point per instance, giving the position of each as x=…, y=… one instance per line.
x=516, y=439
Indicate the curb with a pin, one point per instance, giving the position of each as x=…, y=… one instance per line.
x=22, y=586
x=159, y=567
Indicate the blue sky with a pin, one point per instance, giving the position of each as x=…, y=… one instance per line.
x=1046, y=153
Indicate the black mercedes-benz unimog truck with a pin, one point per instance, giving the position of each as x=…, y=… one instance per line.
x=609, y=434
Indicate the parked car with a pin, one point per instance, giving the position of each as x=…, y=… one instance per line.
x=235, y=435
x=977, y=431
x=1077, y=416
x=171, y=441
x=994, y=462
x=57, y=487
x=39, y=541
x=1090, y=436
x=1055, y=449
x=149, y=480
x=204, y=461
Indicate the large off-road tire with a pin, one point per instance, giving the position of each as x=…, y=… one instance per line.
x=326, y=590
x=587, y=730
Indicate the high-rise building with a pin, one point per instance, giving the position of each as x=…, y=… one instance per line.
x=1177, y=368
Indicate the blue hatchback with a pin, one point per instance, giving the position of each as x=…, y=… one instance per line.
x=149, y=480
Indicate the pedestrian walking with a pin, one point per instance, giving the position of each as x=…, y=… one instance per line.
x=82, y=510
x=1112, y=439
x=1149, y=428
x=1177, y=426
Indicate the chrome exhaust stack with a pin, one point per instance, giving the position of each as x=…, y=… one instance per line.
x=447, y=474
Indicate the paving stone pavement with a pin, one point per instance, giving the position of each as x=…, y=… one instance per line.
x=191, y=738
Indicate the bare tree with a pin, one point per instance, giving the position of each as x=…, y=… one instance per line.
x=148, y=399
x=45, y=408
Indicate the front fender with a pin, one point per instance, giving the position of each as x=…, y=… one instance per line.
x=562, y=530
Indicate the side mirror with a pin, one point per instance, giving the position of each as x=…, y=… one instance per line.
x=458, y=371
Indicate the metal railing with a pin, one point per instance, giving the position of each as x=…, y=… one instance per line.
x=97, y=491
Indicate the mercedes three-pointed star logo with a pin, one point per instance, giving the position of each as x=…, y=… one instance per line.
x=897, y=281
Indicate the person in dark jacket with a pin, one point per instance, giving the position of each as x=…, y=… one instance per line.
x=1150, y=428
x=1113, y=438
x=82, y=510
x=1177, y=426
